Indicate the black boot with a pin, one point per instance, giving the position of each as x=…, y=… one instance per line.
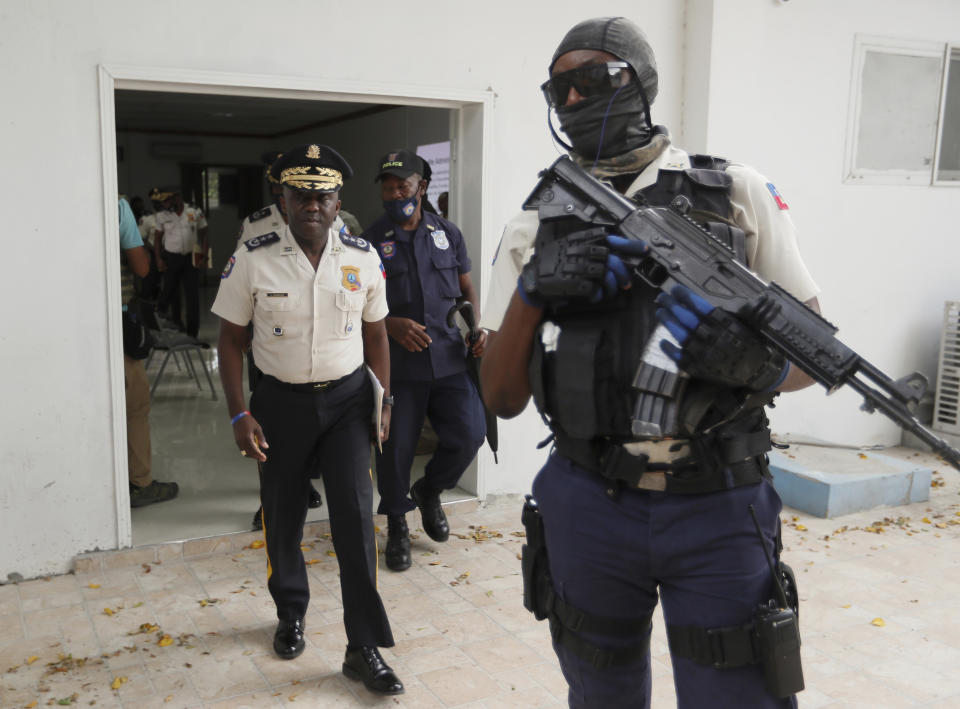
x=434, y=520
x=315, y=499
x=364, y=664
x=397, y=553
x=288, y=640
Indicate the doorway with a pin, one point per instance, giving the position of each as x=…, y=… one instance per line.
x=207, y=136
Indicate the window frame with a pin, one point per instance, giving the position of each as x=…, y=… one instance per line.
x=905, y=47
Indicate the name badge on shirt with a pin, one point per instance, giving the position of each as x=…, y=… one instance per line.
x=440, y=239
x=278, y=331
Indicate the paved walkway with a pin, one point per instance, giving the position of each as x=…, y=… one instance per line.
x=190, y=625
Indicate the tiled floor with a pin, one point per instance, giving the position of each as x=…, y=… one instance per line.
x=193, y=445
x=190, y=624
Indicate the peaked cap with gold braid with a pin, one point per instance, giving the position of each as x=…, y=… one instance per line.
x=311, y=168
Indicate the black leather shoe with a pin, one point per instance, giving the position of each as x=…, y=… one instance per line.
x=288, y=640
x=364, y=664
x=315, y=499
x=258, y=520
x=434, y=520
x=397, y=553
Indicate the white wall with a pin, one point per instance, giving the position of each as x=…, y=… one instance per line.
x=56, y=453
x=884, y=257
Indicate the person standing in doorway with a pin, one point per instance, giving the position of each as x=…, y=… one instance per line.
x=427, y=269
x=316, y=299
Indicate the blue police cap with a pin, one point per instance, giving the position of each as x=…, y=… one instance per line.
x=311, y=168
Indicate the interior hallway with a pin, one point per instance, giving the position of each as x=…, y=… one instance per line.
x=193, y=445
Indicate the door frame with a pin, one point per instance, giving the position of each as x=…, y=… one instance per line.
x=470, y=171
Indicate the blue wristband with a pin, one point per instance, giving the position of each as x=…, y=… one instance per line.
x=239, y=416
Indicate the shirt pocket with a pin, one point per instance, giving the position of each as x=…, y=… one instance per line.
x=447, y=268
x=349, y=313
x=276, y=310
x=398, y=282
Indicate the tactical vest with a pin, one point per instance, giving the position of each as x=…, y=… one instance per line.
x=583, y=367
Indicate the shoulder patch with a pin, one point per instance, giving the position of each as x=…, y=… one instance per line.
x=262, y=240
x=354, y=241
x=259, y=214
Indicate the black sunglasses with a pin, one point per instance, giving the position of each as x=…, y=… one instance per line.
x=589, y=80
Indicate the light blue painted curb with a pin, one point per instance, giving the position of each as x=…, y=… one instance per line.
x=834, y=482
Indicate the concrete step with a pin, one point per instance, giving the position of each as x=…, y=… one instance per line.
x=830, y=482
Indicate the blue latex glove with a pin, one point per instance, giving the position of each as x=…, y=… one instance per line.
x=715, y=346
x=617, y=276
x=681, y=311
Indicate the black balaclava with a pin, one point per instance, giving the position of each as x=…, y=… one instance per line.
x=604, y=126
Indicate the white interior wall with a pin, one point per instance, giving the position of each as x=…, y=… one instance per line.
x=56, y=456
x=883, y=255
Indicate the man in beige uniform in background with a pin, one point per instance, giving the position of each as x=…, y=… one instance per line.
x=317, y=302
x=180, y=229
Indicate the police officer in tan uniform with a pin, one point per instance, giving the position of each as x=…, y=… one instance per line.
x=317, y=301
x=267, y=220
x=180, y=229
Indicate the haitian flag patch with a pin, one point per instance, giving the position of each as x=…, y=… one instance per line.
x=776, y=196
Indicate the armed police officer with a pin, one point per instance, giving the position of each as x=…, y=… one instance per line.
x=626, y=515
x=427, y=269
x=316, y=300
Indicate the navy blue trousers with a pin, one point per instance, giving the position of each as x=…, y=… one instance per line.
x=456, y=414
x=699, y=554
x=328, y=430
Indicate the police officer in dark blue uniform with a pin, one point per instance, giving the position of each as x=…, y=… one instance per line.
x=427, y=269
x=627, y=515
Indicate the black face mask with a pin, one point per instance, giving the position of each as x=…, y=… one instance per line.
x=621, y=120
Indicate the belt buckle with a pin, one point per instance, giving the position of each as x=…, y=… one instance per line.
x=321, y=385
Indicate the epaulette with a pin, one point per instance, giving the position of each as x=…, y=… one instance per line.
x=262, y=240
x=259, y=214
x=354, y=241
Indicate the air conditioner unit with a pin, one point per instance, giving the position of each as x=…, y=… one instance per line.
x=946, y=407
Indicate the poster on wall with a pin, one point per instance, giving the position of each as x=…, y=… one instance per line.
x=438, y=155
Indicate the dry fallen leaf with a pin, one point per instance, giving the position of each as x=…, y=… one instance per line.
x=32, y=659
x=878, y=622
x=31, y=705
x=109, y=611
x=927, y=520
x=332, y=553
x=165, y=640
x=801, y=528
x=117, y=681
x=845, y=605
x=256, y=544
x=93, y=585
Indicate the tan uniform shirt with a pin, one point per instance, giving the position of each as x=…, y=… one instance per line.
x=147, y=226
x=771, y=237
x=265, y=220
x=307, y=324
x=180, y=230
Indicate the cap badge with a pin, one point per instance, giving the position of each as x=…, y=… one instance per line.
x=313, y=152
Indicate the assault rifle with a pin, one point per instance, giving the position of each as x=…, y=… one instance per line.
x=680, y=251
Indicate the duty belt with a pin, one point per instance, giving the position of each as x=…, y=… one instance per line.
x=691, y=466
x=311, y=386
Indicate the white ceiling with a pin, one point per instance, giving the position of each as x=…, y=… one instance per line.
x=242, y=116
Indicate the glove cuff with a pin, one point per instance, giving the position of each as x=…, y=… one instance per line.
x=771, y=374
x=531, y=299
